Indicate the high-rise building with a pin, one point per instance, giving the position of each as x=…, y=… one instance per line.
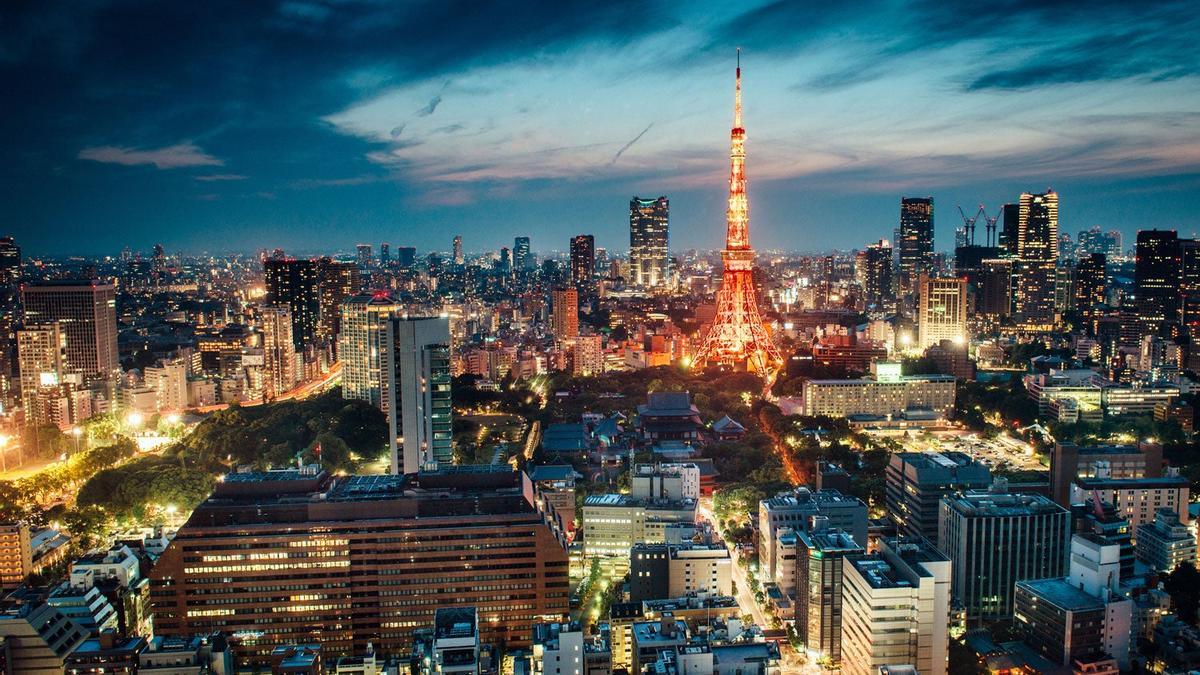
x=336, y=282
x=1091, y=285
x=406, y=257
x=1069, y=462
x=797, y=510
x=738, y=336
x=41, y=358
x=1157, y=279
x=994, y=295
x=363, y=348
x=996, y=539
x=10, y=313
x=522, y=255
x=942, y=310
x=819, y=557
x=565, y=319
x=365, y=259
x=649, y=224
x=583, y=259
x=294, y=283
x=915, y=483
x=916, y=241
x=361, y=560
x=504, y=264
x=385, y=255
x=419, y=413
x=458, y=250
x=877, y=277
x=86, y=312
x=1010, y=229
x=1189, y=284
x=1037, y=256
x=279, y=350
x=896, y=609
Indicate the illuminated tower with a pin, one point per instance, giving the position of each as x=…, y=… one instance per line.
x=737, y=335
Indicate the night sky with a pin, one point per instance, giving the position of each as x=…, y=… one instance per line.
x=221, y=126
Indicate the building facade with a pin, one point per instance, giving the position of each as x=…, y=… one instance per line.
x=649, y=225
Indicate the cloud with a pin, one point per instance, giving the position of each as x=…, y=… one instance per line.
x=630, y=144
x=433, y=104
x=219, y=177
x=180, y=155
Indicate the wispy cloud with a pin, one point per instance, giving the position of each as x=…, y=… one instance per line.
x=220, y=177
x=630, y=144
x=176, y=156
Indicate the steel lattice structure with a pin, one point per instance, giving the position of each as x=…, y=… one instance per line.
x=737, y=335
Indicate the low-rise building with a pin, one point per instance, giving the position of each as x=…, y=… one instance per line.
x=796, y=510
x=886, y=393
x=1136, y=499
x=1166, y=543
x=613, y=523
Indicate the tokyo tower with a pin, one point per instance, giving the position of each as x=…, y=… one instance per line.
x=737, y=335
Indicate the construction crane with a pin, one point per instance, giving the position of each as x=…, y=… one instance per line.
x=969, y=223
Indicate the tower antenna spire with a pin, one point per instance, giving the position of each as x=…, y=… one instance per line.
x=737, y=93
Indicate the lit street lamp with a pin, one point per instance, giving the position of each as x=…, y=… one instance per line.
x=76, y=432
x=3, y=454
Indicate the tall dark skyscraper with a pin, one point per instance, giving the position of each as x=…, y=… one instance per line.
x=1189, y=284
x=1037, y=255
x=1010, y=226
x=522, y=256
x=916, y=241
x=294, y=283
x=86, y=312
x=458, y=250
x=10, y=311
x=583, y=259
x=1090, y=284
x=1157, y=276
x=336, y=281
x=649, y=225
x=385, y=254
x=877, y=279
x=406, y=257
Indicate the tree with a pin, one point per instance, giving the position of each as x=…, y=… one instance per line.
x=1183, y=585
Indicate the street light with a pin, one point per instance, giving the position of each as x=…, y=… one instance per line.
x=3, y=454
x=77, y=432
x=134, y=419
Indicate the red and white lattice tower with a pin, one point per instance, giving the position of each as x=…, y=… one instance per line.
x=737, y=336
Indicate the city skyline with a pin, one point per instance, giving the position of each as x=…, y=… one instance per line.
x=303, y=125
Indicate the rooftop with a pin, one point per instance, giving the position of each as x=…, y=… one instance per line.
x=986, y=503
x=1061, y=594
x=801, y=497
x=619, y=500
x=454, y=622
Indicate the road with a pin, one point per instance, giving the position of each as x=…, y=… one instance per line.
x=298, y=392
x=795, y=472
x=745, y=598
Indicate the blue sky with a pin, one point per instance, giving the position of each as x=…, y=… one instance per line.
x=316, y=125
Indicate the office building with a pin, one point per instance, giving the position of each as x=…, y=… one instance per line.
x=1136, y=499
x=1099, y=518
x=878, y=291
x=369, y=560
x=522, y=256
x=649, y=224
x=896, y=609
x=819, y=559
x=364, y=348
x=459, y=258
x=365, y=259
x=1079, y=619
x=1037, y=256
x=583, y=260
x=1157, y=279
x=678, y=480
x=613, y=523
x=10, y=312
x=994, y=289
x=997, y=538
x=336, y=282
x=42, y=364
x=452, y=646
x=1091, y=285
x=1010, y=229
x=915, y=483
x=1069, y=461
x=86, y=312
x=942, y=310
x=699, y=570
x=915, y=242
x=796, y=510
x=37, y=638
x=385, y=255
x=565, y=319
x=1166, y=543
x=886, y=394
x=293, y=283
x=1189, y=284
x=419, y=413
x=279, y=352
x=649, y=572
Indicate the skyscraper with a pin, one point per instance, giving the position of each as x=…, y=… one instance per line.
x=565, y=318
x=406, y=257
x=942, y=310
x=1189, y=284
x=1037, y=255
x=41, y=355
x=1010, y=229
x=363, y=347
x=385, y=254
x=293, y=283
x=419, y=413
x=819, y=558
x=1090, y=285
x=649, y=224
x=365, y=259
x=738, y=336
x=877, y=278
x=86, y=312
x=336, y=281
x=279, y=350
x=583, y=259
x=10, y=312
x=522, y=256
x=458, y=250
x=916, y=241
x=1157, y=279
